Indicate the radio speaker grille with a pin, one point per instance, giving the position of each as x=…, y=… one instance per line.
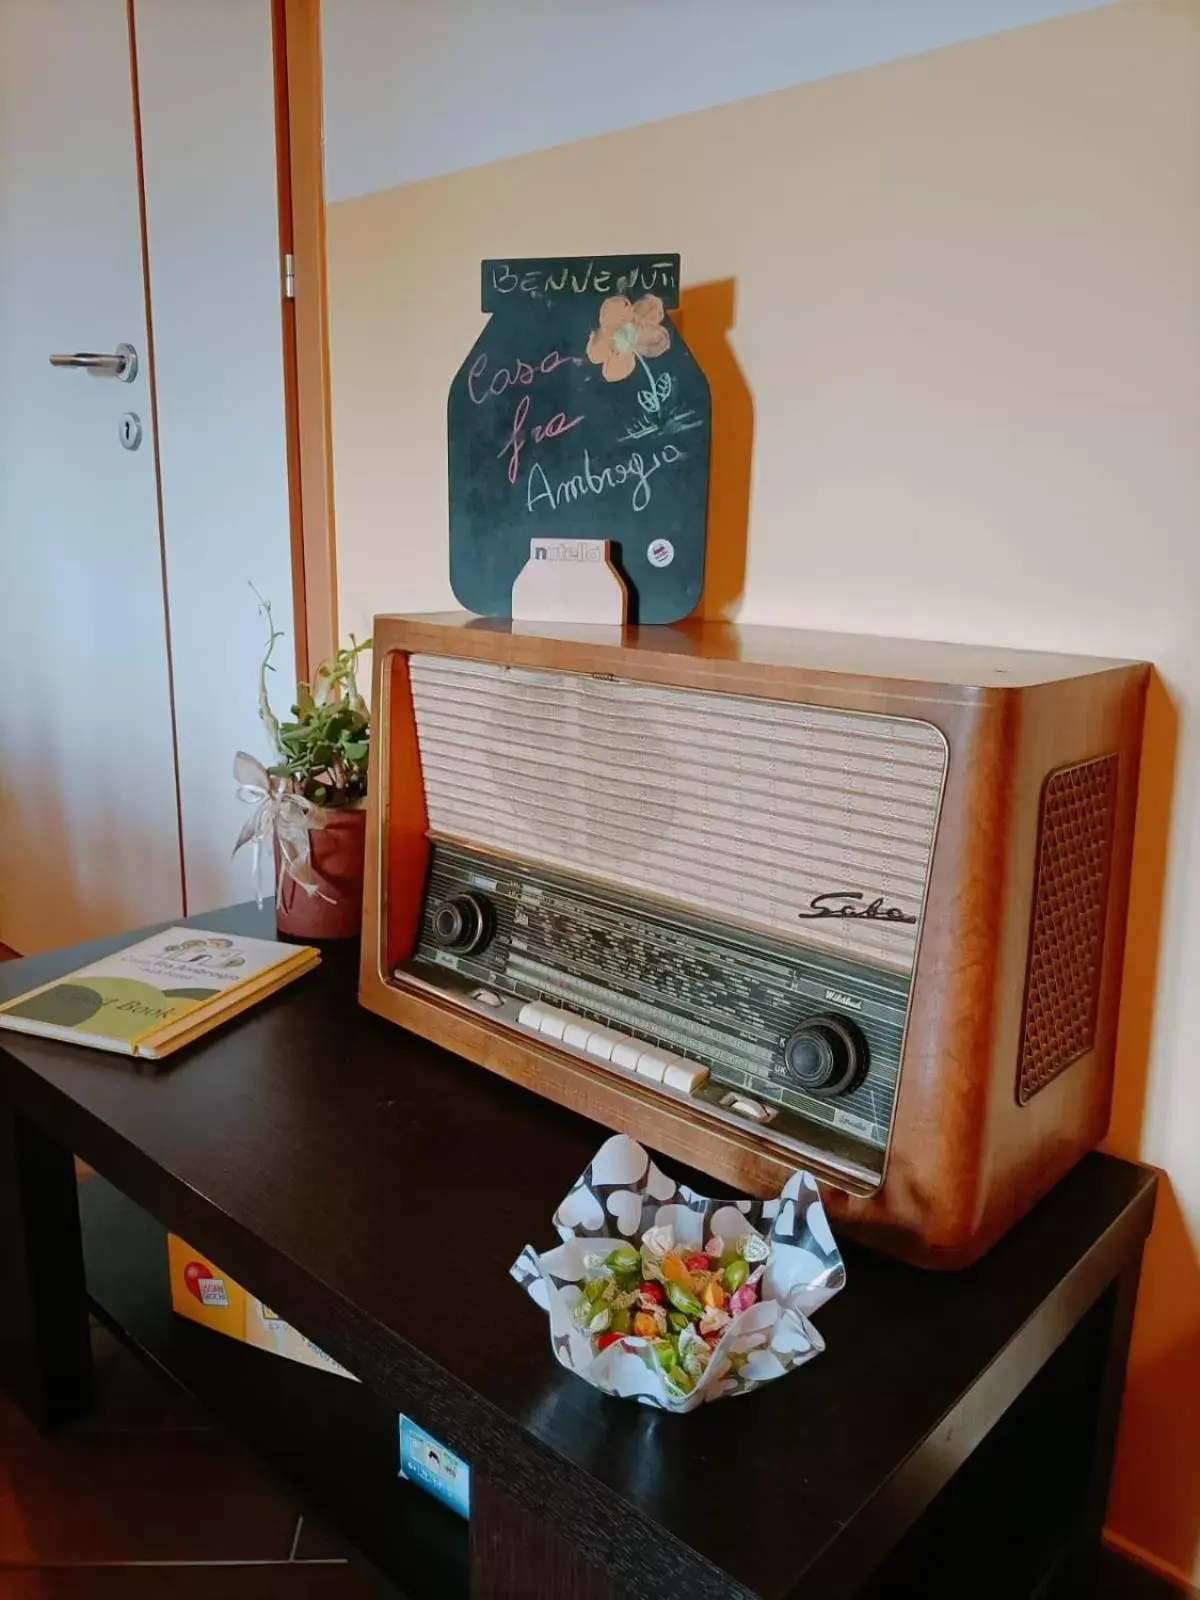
x=1066, y=946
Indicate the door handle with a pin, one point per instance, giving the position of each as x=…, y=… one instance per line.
x=123, y=363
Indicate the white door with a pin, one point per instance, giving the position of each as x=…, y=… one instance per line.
x=212, y=220
x=117, y=802
x=89, y=835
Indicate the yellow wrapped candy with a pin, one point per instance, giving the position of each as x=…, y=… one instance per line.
x=713, y=1295
x=645, y=1325
x=674, y=1271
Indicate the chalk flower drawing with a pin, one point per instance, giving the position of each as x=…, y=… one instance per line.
x=629, y=331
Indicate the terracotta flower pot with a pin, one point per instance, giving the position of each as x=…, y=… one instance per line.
x=336, y=852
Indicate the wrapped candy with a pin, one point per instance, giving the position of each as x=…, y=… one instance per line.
x=668, y=1297
x=742, y=1299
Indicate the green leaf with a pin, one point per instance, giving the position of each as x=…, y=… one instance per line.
x=323, y=751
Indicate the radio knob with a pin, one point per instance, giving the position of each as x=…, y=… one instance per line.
x=826, y=1056
x=463, y=923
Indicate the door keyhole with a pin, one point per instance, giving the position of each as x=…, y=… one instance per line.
x=130, y=430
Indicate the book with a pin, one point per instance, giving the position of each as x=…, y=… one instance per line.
x=159, y=994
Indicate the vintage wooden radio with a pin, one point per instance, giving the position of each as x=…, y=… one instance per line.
x=764, y=898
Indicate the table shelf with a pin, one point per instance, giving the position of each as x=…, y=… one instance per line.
x=955, y=1420
x=329, y=1442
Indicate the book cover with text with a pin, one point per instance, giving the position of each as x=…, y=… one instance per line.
x=128, y=999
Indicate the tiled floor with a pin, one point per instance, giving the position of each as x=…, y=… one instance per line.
x=145, y=1499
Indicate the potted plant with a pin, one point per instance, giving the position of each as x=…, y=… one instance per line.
x=311, y=802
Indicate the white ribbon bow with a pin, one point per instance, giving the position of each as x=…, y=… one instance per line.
x=280, y=816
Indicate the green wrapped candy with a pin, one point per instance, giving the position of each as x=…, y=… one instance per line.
x=624, y=1260
x=621, y=1321
x=677, y=1320
x=683, y=1301
x=583, y=1311
x=736, y=1273
x=679, y=1379
x=667, y=1357
x=594, y=1289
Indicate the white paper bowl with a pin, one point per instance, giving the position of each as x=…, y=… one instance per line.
x=622, y=1195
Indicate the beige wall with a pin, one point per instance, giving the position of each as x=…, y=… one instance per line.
x=950, y=309
x=414, y=89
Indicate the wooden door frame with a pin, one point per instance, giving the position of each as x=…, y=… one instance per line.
x=296, y=34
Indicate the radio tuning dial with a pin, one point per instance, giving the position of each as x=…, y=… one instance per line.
x=464, y=922
x=826, y=1056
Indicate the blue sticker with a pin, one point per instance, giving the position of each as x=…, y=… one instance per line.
x=435, y=1469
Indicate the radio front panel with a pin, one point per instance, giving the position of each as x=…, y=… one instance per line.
x=727, y=888
x=751, y=1023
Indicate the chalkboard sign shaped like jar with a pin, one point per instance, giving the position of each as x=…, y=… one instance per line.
x=580, y=413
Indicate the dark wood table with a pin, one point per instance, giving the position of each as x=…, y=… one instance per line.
x=956, y=1437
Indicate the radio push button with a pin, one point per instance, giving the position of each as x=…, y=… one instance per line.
x=545, y=1019
x=652, y=1065
x=577, y=1034
x=686, y=1076
x=601, y=1043
x=674, y=1071
x=554, y=1023
x=627, y=1053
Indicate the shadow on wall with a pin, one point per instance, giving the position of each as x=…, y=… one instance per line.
x=1160, y=1421
x=706, y=313
x=1143, y=933
x=1163, y=1388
